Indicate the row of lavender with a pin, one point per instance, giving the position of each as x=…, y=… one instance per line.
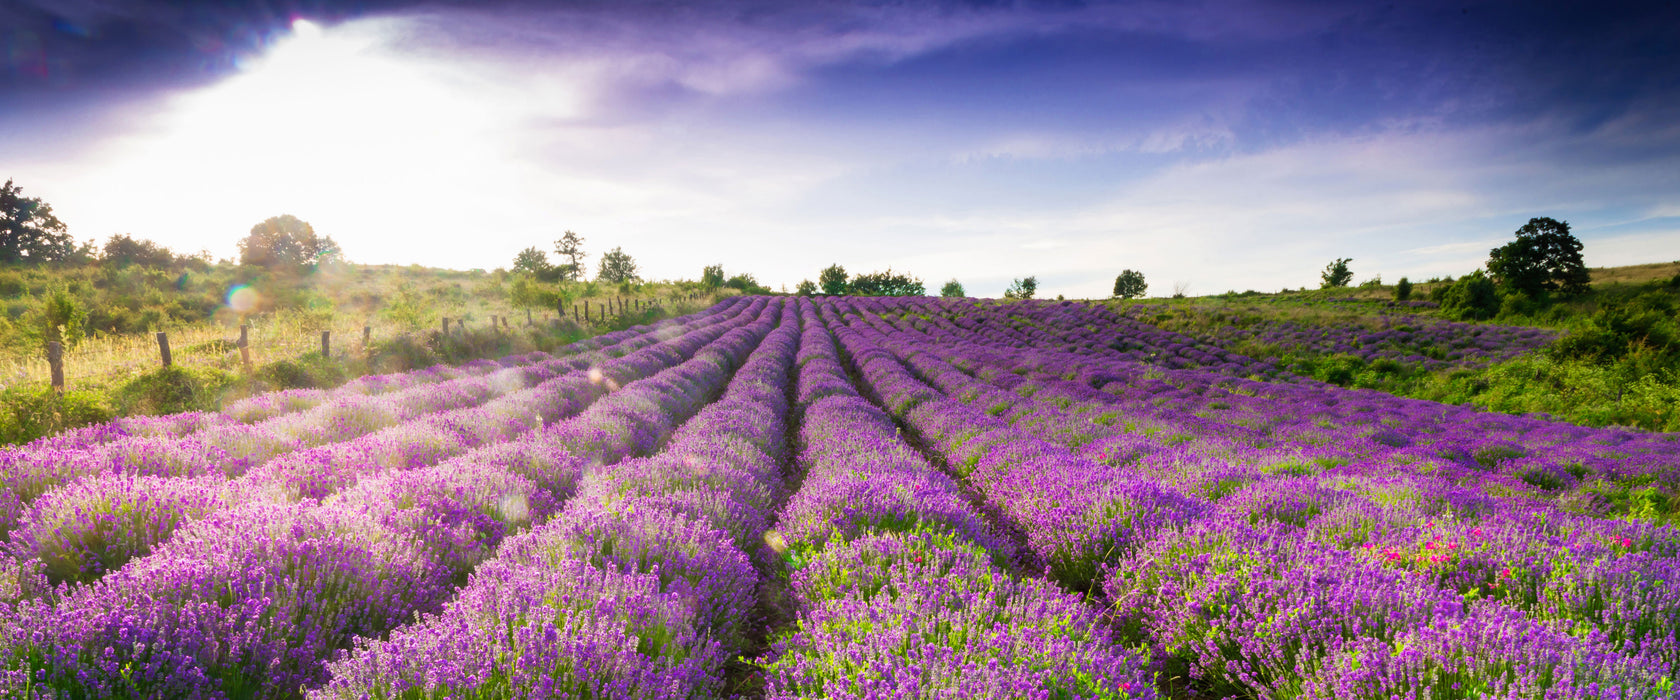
x=1257, y=562
x=253, y=597
x=643, y=584
x=83, y=513
x=900, y=587
x=199, y=444
x=1426, y=342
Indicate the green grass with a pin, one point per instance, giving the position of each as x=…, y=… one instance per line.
x=1617, y=361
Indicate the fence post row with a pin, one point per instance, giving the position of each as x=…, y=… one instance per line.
x=163, y=347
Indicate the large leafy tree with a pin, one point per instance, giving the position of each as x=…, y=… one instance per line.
x=833, y=280
x=1545, y=257
x=123, y=250
x=570, y=248
x=1336, y=274
x=1130, y=285
x=952, y=288
x=286, y=241
x=617, y=267
x=28, y=230
x=534, y=262
x=887, y=284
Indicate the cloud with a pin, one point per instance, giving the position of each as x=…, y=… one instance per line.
x=1228, y=144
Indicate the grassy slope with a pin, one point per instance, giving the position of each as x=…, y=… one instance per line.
x=1640, y=389
x=113, y=368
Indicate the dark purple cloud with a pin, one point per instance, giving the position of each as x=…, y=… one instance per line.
x=1311, y=65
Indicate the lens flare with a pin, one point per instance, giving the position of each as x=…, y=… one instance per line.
x=243, y=299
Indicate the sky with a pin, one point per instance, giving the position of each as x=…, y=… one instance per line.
x=1213, y=145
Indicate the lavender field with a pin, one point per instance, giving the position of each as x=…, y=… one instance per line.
x=845, y=497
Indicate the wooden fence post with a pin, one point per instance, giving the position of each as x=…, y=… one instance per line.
x=528, y=321
x=55, y=360
x=326, y=346
x=446, y=325
x=586, y=311
x=163, y=348
x=245, y=347
x=367, y=331
x=574, y=312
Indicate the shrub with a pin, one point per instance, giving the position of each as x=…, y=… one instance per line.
x=711, y=276
x=1336, y=274
x=30, y=412
x=311, y=371
x=746, y=283
x=173, y=389
x=1403, y=289
x=887, y=284
x=1472, y=298
x=1022, y=288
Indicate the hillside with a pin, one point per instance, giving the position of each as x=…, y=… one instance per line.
x=1608, y=357
x=379, y=318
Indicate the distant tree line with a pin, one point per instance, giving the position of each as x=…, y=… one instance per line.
x=833, y=280
x=1542, y=265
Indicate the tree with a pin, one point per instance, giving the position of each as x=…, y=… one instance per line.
x=63, y=317
x=887, y=284
x=28, y=230
x=285, y=241
x=1474, y=297
x=1022, y=288
x=1545, y=257
x=570, y=248
x=532, y=261
x=952, y=288
x=1130, y=285
x=123, y=250
x=1403, y=289
x=711, y=276
x=1336, y=274
x=616, y=267
x=806, y=288
x=833, y=280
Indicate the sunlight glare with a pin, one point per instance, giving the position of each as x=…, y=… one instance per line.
x=331, y=125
